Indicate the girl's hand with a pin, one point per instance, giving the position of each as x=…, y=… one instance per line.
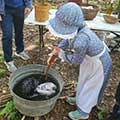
x=53, y=55
x=56, y=51
x=51, y=60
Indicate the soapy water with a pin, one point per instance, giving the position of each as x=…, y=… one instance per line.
x=34, y=87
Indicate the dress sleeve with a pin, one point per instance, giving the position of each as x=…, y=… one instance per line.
x=63, y=44
x=80, y=46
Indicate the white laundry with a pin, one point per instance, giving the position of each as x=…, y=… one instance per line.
x=47, y=88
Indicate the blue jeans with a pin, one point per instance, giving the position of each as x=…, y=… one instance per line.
x=14, y=18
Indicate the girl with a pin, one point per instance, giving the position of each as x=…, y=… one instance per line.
x=88, y=51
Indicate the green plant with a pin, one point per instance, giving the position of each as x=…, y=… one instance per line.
x=104, y=5
x=1, y=59
x=101, y=112
x=2, y=71
x=10, y=112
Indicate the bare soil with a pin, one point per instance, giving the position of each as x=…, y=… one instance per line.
x=69, y=73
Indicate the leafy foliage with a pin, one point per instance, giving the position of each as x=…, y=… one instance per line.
x=10, y=112
x=104, y=4
x=2, y=71
x=101, y=111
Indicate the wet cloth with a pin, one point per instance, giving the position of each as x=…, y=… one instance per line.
x=47, y=88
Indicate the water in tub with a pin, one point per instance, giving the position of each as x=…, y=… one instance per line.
x=34, y=87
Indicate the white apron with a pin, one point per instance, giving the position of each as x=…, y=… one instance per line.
x=90, y=81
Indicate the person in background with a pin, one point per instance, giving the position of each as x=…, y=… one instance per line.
x=116, y=109
x=88, y=51
x=15, y=11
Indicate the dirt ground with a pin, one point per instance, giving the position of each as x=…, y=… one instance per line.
x=69, y=73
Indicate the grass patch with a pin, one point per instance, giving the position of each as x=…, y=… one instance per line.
x=2, y=72
x=10, y=112
x=102, y=111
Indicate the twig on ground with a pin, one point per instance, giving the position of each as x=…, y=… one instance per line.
x=62, y=97
x=4, y=99
x=68, y=86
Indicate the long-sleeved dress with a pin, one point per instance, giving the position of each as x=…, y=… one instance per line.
x=95, y=66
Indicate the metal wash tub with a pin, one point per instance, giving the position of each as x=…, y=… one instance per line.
x=29, y=107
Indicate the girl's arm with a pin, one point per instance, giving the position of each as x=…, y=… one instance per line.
x=63, y=44
x=80, y=48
